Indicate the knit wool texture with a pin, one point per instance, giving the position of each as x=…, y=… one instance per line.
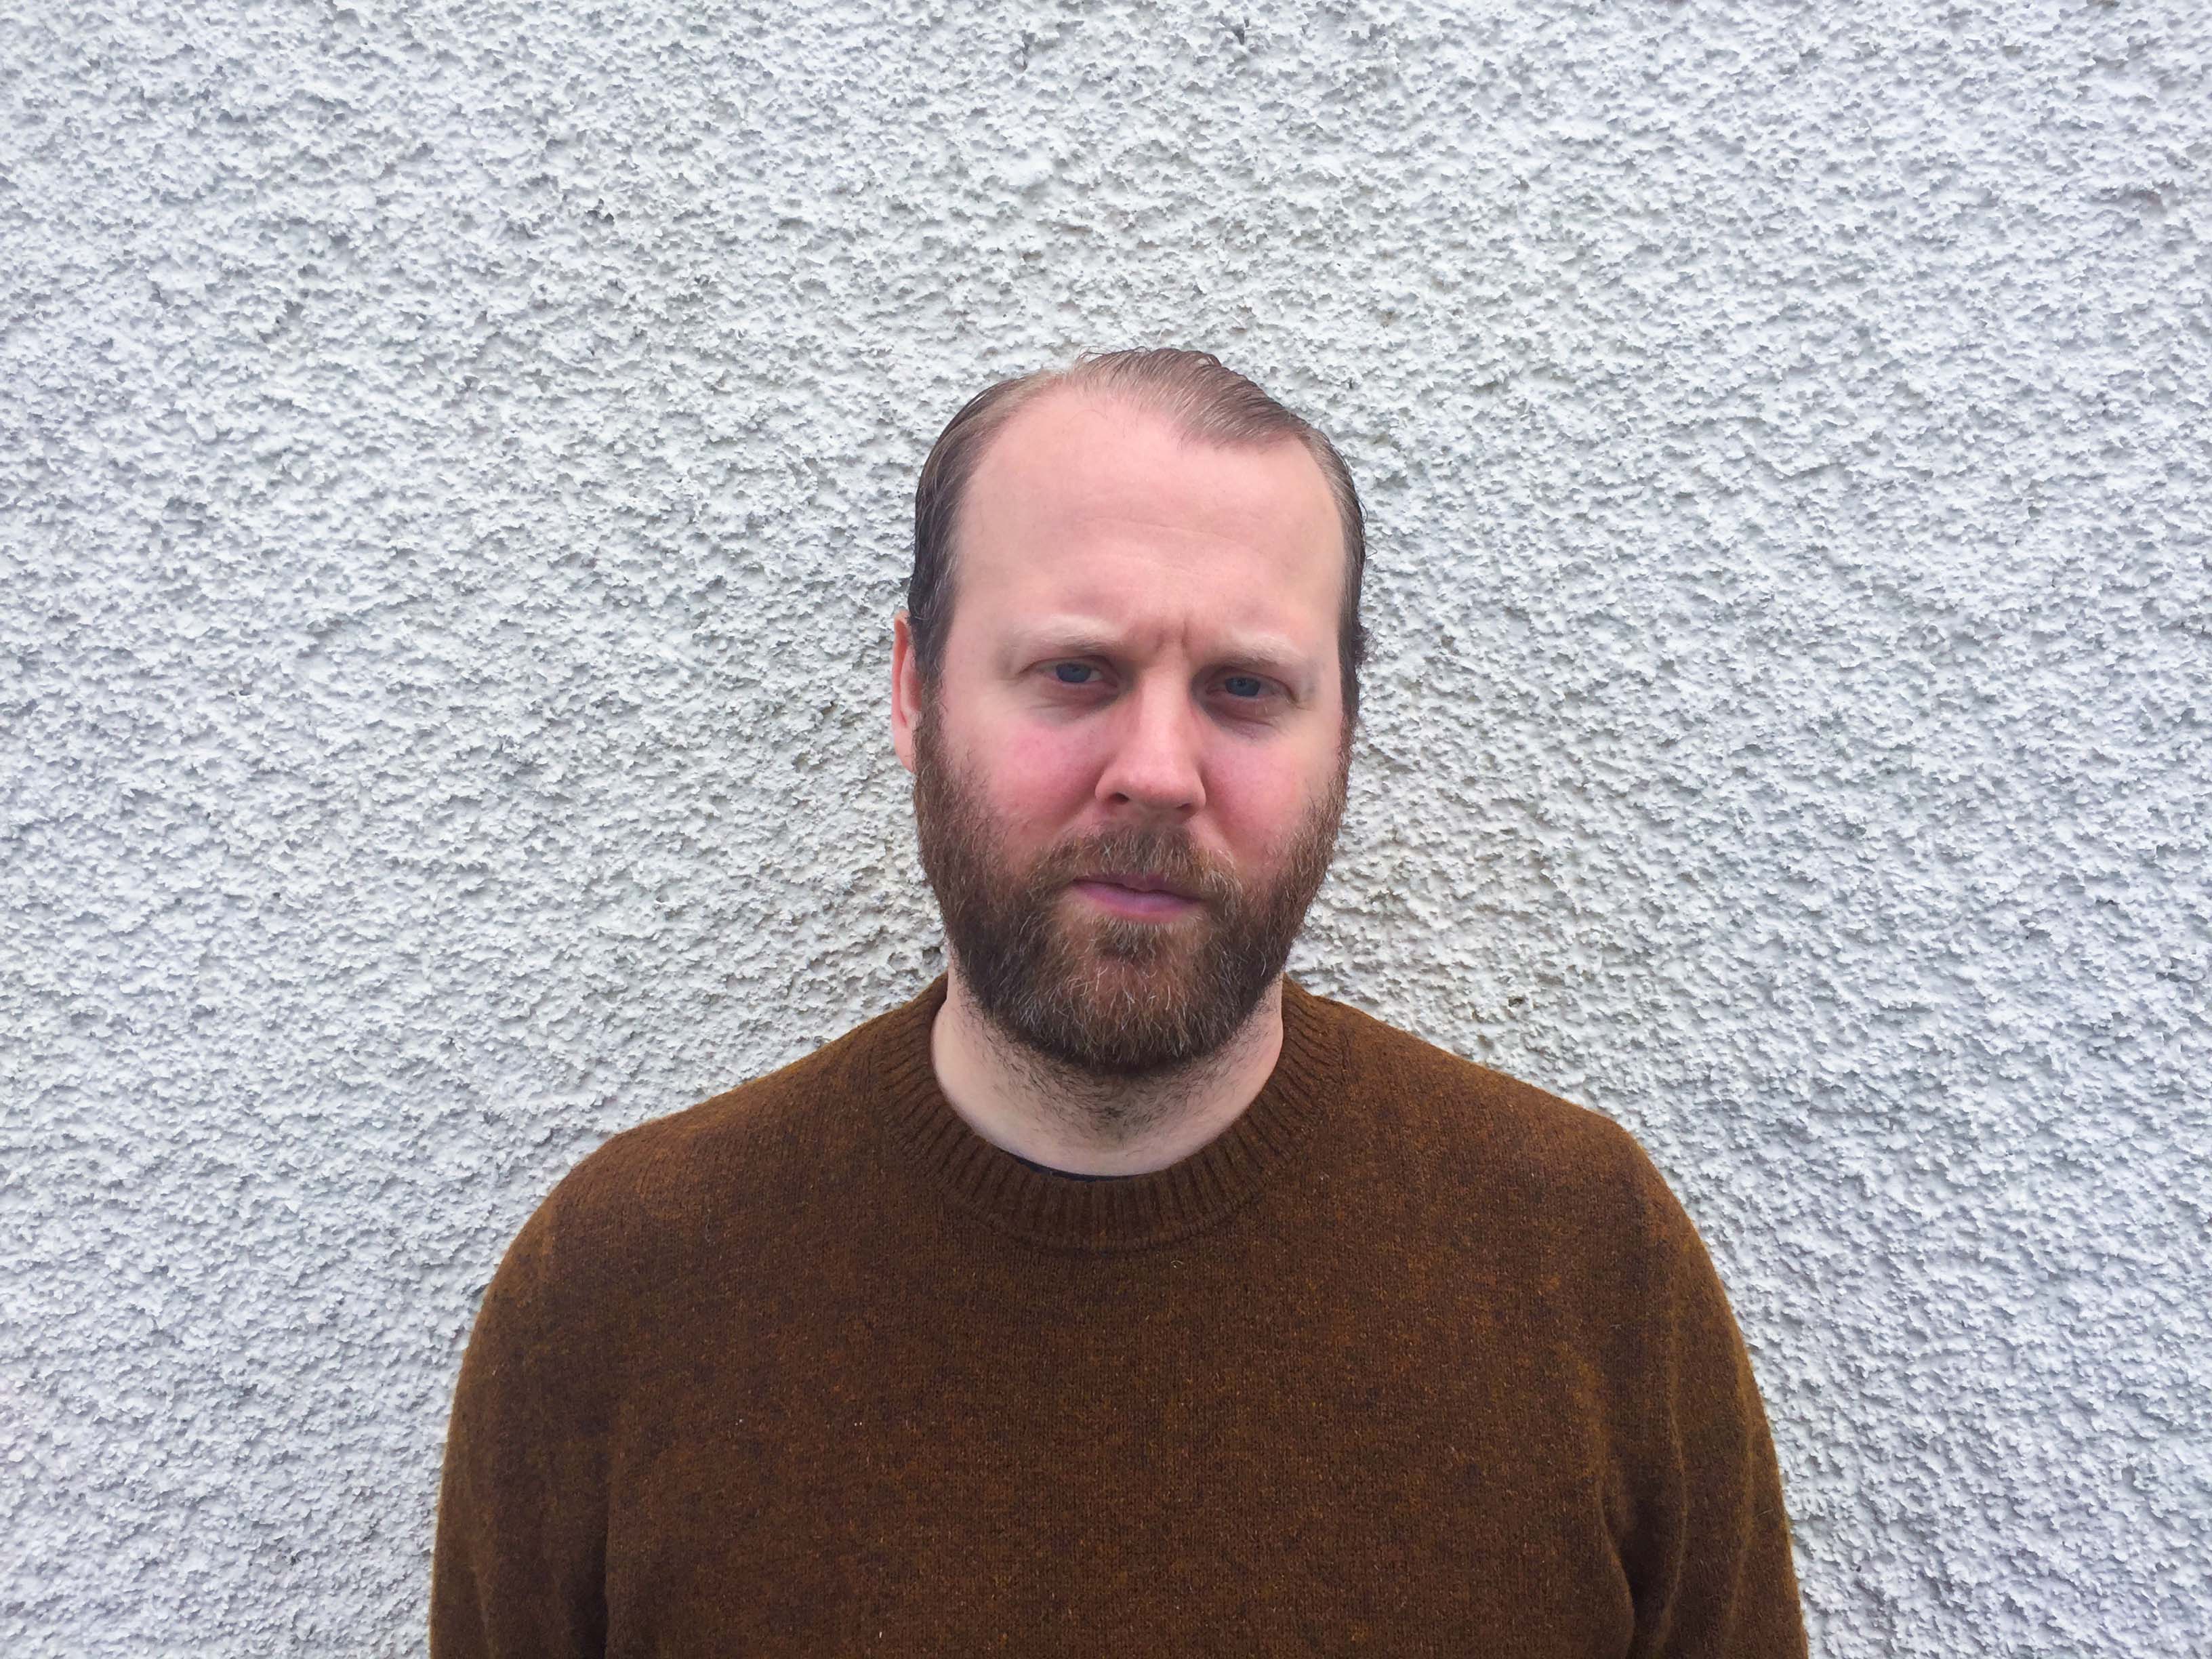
x=1412, y=1359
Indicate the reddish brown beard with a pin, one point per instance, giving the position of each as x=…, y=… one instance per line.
x=1100, y=994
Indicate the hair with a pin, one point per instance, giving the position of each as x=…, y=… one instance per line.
x=1204, y=399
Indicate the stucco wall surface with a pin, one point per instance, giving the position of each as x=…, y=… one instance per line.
x=454, y=469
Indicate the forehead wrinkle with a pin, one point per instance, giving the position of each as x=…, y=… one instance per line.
x=1157, y=515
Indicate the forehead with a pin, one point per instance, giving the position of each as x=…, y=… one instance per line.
x=1082, y=505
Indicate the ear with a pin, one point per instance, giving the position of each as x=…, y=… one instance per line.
x=906, y=690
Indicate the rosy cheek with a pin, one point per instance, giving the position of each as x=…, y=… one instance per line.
x=1256, y=798
x=1041, y=772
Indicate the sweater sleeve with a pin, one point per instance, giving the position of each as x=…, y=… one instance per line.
x=518, y=1565
x=1709, y=1563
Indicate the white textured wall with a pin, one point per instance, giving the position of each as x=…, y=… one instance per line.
x=454, y=463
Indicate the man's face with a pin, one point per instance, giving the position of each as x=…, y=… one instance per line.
x=1140, y=685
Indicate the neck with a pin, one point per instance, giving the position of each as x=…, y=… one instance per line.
x=1036, y=1107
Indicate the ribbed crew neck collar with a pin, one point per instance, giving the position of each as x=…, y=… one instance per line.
x=1131, y=1211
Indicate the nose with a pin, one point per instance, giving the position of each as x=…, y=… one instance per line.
x=1154, y=762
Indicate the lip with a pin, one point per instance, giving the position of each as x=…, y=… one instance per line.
x=1120, y=897
x=1140, y=884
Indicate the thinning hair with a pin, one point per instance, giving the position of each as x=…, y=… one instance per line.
x=1204, y=399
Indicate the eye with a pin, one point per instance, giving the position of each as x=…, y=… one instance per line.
x=1245, y=688
x=1070, y=674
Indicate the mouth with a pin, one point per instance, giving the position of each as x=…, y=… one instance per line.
x=1142, y=884
x=1140, y=897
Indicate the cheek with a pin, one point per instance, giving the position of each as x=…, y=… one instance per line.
x=1040, y=777
x=1259, y=798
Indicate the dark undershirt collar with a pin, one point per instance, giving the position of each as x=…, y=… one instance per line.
x=1070, y=1175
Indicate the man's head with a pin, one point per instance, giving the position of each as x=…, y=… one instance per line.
x=1131, y=660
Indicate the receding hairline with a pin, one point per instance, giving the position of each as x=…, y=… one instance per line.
x=1190, y=428
x=1189, y=432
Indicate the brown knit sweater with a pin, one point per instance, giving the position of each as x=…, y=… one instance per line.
x=1413, y=1358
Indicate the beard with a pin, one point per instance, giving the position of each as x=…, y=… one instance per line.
x=1094, y=992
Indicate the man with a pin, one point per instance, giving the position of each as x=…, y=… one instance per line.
x=1116, y=1294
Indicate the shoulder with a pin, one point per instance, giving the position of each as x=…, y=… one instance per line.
x=1441, y=1106
x=655, y=1199
x=1505, y=1171
x=639, y=1225
x=1505, y=1153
